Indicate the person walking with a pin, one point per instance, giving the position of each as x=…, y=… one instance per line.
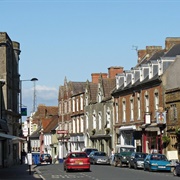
x=112, y=155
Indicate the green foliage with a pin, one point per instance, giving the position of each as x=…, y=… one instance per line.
x=166, y=139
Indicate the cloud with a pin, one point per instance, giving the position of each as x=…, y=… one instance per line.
x=43, y=95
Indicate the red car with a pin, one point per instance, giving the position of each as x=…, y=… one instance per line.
x=76, y=161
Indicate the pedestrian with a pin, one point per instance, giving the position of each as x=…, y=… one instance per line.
x=112, y=155
x=55, y=158
x=23, y=156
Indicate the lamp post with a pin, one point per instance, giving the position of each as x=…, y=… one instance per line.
x=33, y=79
x=29, y=155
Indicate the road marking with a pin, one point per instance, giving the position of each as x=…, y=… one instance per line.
x=73, y=176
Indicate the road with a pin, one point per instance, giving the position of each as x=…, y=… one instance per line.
x=101, y=172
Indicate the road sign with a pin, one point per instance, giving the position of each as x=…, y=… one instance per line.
x=62, y=131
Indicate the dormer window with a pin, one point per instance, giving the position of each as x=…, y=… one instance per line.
x=99, y=96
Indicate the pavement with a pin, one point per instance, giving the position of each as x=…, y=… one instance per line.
x=18, y=172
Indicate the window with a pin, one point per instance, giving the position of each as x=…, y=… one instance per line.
x=156, y=101
x=87, y=121
x=86, y=100
x=74, y=126
x=73, y=108
x=139, y=108
x=81, y=102
x=173, y=112
x=146, y=103
x=60, y=108
x=108, y=118
x=65, y=107
x=82, y=124
x=77, y=125
x=124, y=111
x=100, y=119
x=94, y=121
x=117, y=112
x=69, y=105
x=99, y=97
x=132, y=110
x=77, y=104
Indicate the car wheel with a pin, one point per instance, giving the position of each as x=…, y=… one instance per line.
x=150, y=169
x=115, y=164
x=120, y=163
x=144, y=168
x=67, y=170
x=129, y=165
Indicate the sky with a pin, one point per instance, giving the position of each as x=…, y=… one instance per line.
x=75, y=38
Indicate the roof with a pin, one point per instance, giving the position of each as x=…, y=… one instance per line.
x=108, y=86
x=174, y=51
x=52, y=124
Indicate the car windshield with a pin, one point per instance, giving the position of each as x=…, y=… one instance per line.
x=88, y=151
x=78, y=155
x=100, y=154
x=159, y=157
x=46, y=155
x=140, y=156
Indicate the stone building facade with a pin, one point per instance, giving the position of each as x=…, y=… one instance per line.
x=10, y=146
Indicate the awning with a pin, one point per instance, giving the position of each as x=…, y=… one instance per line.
x=13, y=138
x=127, y=128
x=150, y=127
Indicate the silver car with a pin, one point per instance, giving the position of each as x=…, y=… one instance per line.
x=99, y=157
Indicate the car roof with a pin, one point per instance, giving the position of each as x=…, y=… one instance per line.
x=77, y=152
x=125, y=146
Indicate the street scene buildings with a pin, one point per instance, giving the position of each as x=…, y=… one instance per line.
x=138, y=107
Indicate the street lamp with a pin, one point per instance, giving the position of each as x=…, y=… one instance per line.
x=33, y=79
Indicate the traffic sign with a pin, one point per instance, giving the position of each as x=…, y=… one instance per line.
x=62, y=131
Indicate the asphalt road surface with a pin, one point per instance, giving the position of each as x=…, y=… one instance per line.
x=101, y=172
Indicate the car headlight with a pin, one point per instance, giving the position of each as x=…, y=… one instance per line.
x=154, y=164
x=168, y=164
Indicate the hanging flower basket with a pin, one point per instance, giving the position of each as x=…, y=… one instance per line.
x=177, y=130
x=166, y=139
x=93, y=131
x=107, y=130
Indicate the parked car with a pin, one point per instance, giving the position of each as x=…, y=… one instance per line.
x=45, y=158
x=157, y=162
x=136, y=160
x=122, y=154
x=76, y=161
x=89, y=150
x=99, y=157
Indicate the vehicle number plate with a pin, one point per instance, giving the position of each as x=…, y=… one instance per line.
x=79, y=162
x=161, y=166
